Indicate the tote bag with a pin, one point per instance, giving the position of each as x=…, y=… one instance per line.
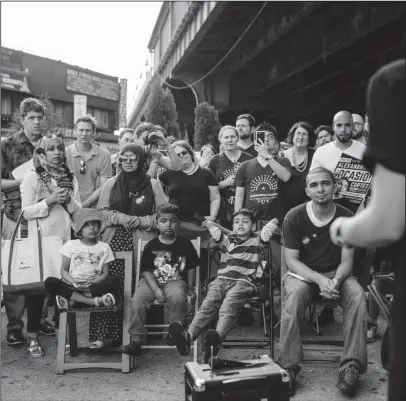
x=27, y=262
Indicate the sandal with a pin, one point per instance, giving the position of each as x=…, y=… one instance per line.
x=34, y=349
x=105, y=300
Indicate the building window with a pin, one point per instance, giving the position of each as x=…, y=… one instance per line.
x=102, y=117
x=5, y=103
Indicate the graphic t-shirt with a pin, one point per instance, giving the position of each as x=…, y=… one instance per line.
x=169, y=262
x=222, y=168
x=316, y=250
x=262, y=188
x=86, y=262
x=352, y=179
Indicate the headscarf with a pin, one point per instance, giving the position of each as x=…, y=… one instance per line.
x=46, y=170
x=132, y=192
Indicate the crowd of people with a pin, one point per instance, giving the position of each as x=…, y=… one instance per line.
x=251, y=194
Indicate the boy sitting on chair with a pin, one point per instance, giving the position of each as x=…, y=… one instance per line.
x=168, y=266
x=232, y=287
x=84, y=267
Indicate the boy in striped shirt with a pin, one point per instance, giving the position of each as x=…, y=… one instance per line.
x=232, y=287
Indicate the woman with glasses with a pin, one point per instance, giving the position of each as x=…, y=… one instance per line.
x=126, y=206
x=225, y=167
x=195, y=191
x=302, y=138
x=126, y=136
x=49, y=193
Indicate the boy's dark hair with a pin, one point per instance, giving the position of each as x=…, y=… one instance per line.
x=31, y=104
x=167, y=208
x=320, y=170
x=142, y=127
x=87, y=119
x=249, y=117
x=324, y=128
x=247, y=213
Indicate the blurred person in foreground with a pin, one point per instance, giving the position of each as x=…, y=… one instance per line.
x=382, y=222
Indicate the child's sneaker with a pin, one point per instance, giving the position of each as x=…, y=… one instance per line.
x=211, y=339
x=133, y=349
x=108, y=299
x=180, y=338
x=62, y=302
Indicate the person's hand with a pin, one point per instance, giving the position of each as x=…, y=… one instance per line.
x=207, y=219
x=191, y=294
x=336, y=283
x=159, y=296
x=229, y=181
x=162, y=140
x=336, y=231
x=261, y=148
x=134, y=223
x=153, y=151
x=327, y=289
x=60, y=195
x=128, y=224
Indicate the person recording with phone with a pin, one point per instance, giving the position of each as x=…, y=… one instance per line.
x=151, y=140
x=259, y=182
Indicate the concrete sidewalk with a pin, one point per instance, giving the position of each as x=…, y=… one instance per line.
x=158, y=375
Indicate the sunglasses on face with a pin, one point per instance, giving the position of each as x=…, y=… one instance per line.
x=128, y=158
x=82, y=167
x=183, y=153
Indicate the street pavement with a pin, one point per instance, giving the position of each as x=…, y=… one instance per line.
x=158, y=375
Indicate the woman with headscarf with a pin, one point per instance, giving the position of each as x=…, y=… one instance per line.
x=49, y=193
x=126, y=206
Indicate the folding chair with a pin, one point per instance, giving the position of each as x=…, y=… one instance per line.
x=312, y=320
x=68, y=319
x=261, y=301
x=162, y=329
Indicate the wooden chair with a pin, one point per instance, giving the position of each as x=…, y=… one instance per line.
x=68, y=319
x=163, y=328
x=312, y=321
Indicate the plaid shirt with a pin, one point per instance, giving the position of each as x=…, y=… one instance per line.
x=15, y=151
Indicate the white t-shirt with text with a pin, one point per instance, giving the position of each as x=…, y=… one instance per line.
x=86, y=262
x=328, y=155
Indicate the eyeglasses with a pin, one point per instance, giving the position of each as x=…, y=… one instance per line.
x=183, y=153
x=128, y=158
x=82, y=167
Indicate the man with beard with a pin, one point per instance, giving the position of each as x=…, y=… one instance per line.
x=358, y=130
x=245, y=125
x=317, y=267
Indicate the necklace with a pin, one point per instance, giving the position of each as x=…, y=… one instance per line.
x=191, y=171
x=302, y=166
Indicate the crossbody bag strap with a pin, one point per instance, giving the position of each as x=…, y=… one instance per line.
x=41, y=265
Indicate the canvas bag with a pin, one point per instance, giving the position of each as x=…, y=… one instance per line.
x=27, y=262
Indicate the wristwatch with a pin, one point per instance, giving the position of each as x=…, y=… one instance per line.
x=268, y=158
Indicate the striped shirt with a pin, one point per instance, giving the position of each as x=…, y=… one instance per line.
x=239, y=257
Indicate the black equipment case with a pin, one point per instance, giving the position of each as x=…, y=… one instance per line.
x=262, y=379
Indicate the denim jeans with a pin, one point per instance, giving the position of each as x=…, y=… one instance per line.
x=175, y=293
x=227, y=297
x=353, y=302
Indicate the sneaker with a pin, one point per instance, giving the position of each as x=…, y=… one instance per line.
x=180, y=337
x=108, y=300
x=211, y=339
x=62, y=302
x=292, y=372
x=133, y=349
x=47, y=329
x=372, y=332
x=326, y=317
x=348, y=379
x=15, y=337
